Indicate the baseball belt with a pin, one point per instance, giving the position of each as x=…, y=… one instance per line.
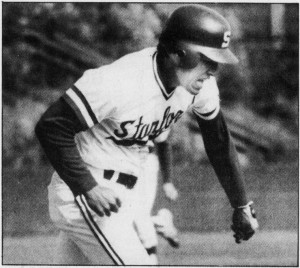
x=125, y=179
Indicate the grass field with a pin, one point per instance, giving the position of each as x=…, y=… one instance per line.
x=272, y=248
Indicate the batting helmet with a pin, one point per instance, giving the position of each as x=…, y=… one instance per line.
x=198, y=29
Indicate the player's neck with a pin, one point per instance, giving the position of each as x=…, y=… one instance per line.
x=166, y=73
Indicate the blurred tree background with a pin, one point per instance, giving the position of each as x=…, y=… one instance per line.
x=47, y=46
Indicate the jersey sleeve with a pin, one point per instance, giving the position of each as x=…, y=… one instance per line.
x=91, y=97
x=207, y=103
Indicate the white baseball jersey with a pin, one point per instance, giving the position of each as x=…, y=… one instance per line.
x=126, y=105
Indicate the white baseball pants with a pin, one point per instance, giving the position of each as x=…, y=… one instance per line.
x=86, y=238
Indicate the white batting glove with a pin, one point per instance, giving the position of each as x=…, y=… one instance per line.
x=170, y=191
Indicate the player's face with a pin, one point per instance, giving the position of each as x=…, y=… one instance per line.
x=192, y=79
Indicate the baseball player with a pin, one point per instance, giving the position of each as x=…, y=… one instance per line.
x=96, y=136
x=146, y=225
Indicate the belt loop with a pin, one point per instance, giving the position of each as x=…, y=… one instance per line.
x=125, y=179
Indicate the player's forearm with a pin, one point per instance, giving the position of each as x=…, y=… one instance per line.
x=165, y=156
x=56, y=132
x=223, y=157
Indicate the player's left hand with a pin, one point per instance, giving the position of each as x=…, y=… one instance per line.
x=244, y=222
x=170, y=191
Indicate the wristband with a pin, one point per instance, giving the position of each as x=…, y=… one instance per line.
x=247, y=205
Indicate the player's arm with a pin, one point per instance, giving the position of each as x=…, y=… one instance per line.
x=56, y=132
x=165, y=156
x=223, y=157
x=222, y=154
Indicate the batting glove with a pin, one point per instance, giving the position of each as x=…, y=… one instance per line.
x=170, y=191
x=244, y=222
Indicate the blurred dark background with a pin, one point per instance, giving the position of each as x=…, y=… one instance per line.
x=47, y=46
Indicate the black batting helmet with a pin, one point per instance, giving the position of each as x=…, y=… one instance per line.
x=205, y=30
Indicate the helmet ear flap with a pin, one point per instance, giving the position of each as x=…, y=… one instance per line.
x=175, y=58
x=181, y=56
x=184, y=59
x=188, y=59
x=181, y=53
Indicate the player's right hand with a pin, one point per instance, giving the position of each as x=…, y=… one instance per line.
x=103, y=200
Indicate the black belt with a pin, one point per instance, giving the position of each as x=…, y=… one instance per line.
x=125, y=179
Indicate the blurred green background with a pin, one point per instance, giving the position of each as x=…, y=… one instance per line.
x=47, y=46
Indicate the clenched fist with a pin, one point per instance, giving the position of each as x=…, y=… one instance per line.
x=244, y=222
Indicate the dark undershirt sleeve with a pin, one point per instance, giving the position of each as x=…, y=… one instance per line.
x=56, y=132
x=164, y=152
x=223, y=157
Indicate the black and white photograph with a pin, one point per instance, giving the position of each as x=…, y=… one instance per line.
x=150, y=134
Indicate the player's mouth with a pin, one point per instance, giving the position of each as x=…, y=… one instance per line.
x=197, y=85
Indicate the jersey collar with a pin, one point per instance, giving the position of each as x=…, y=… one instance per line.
x=159, y=82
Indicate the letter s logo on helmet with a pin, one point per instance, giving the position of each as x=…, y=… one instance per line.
x=202, y=27
x=226, y=39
